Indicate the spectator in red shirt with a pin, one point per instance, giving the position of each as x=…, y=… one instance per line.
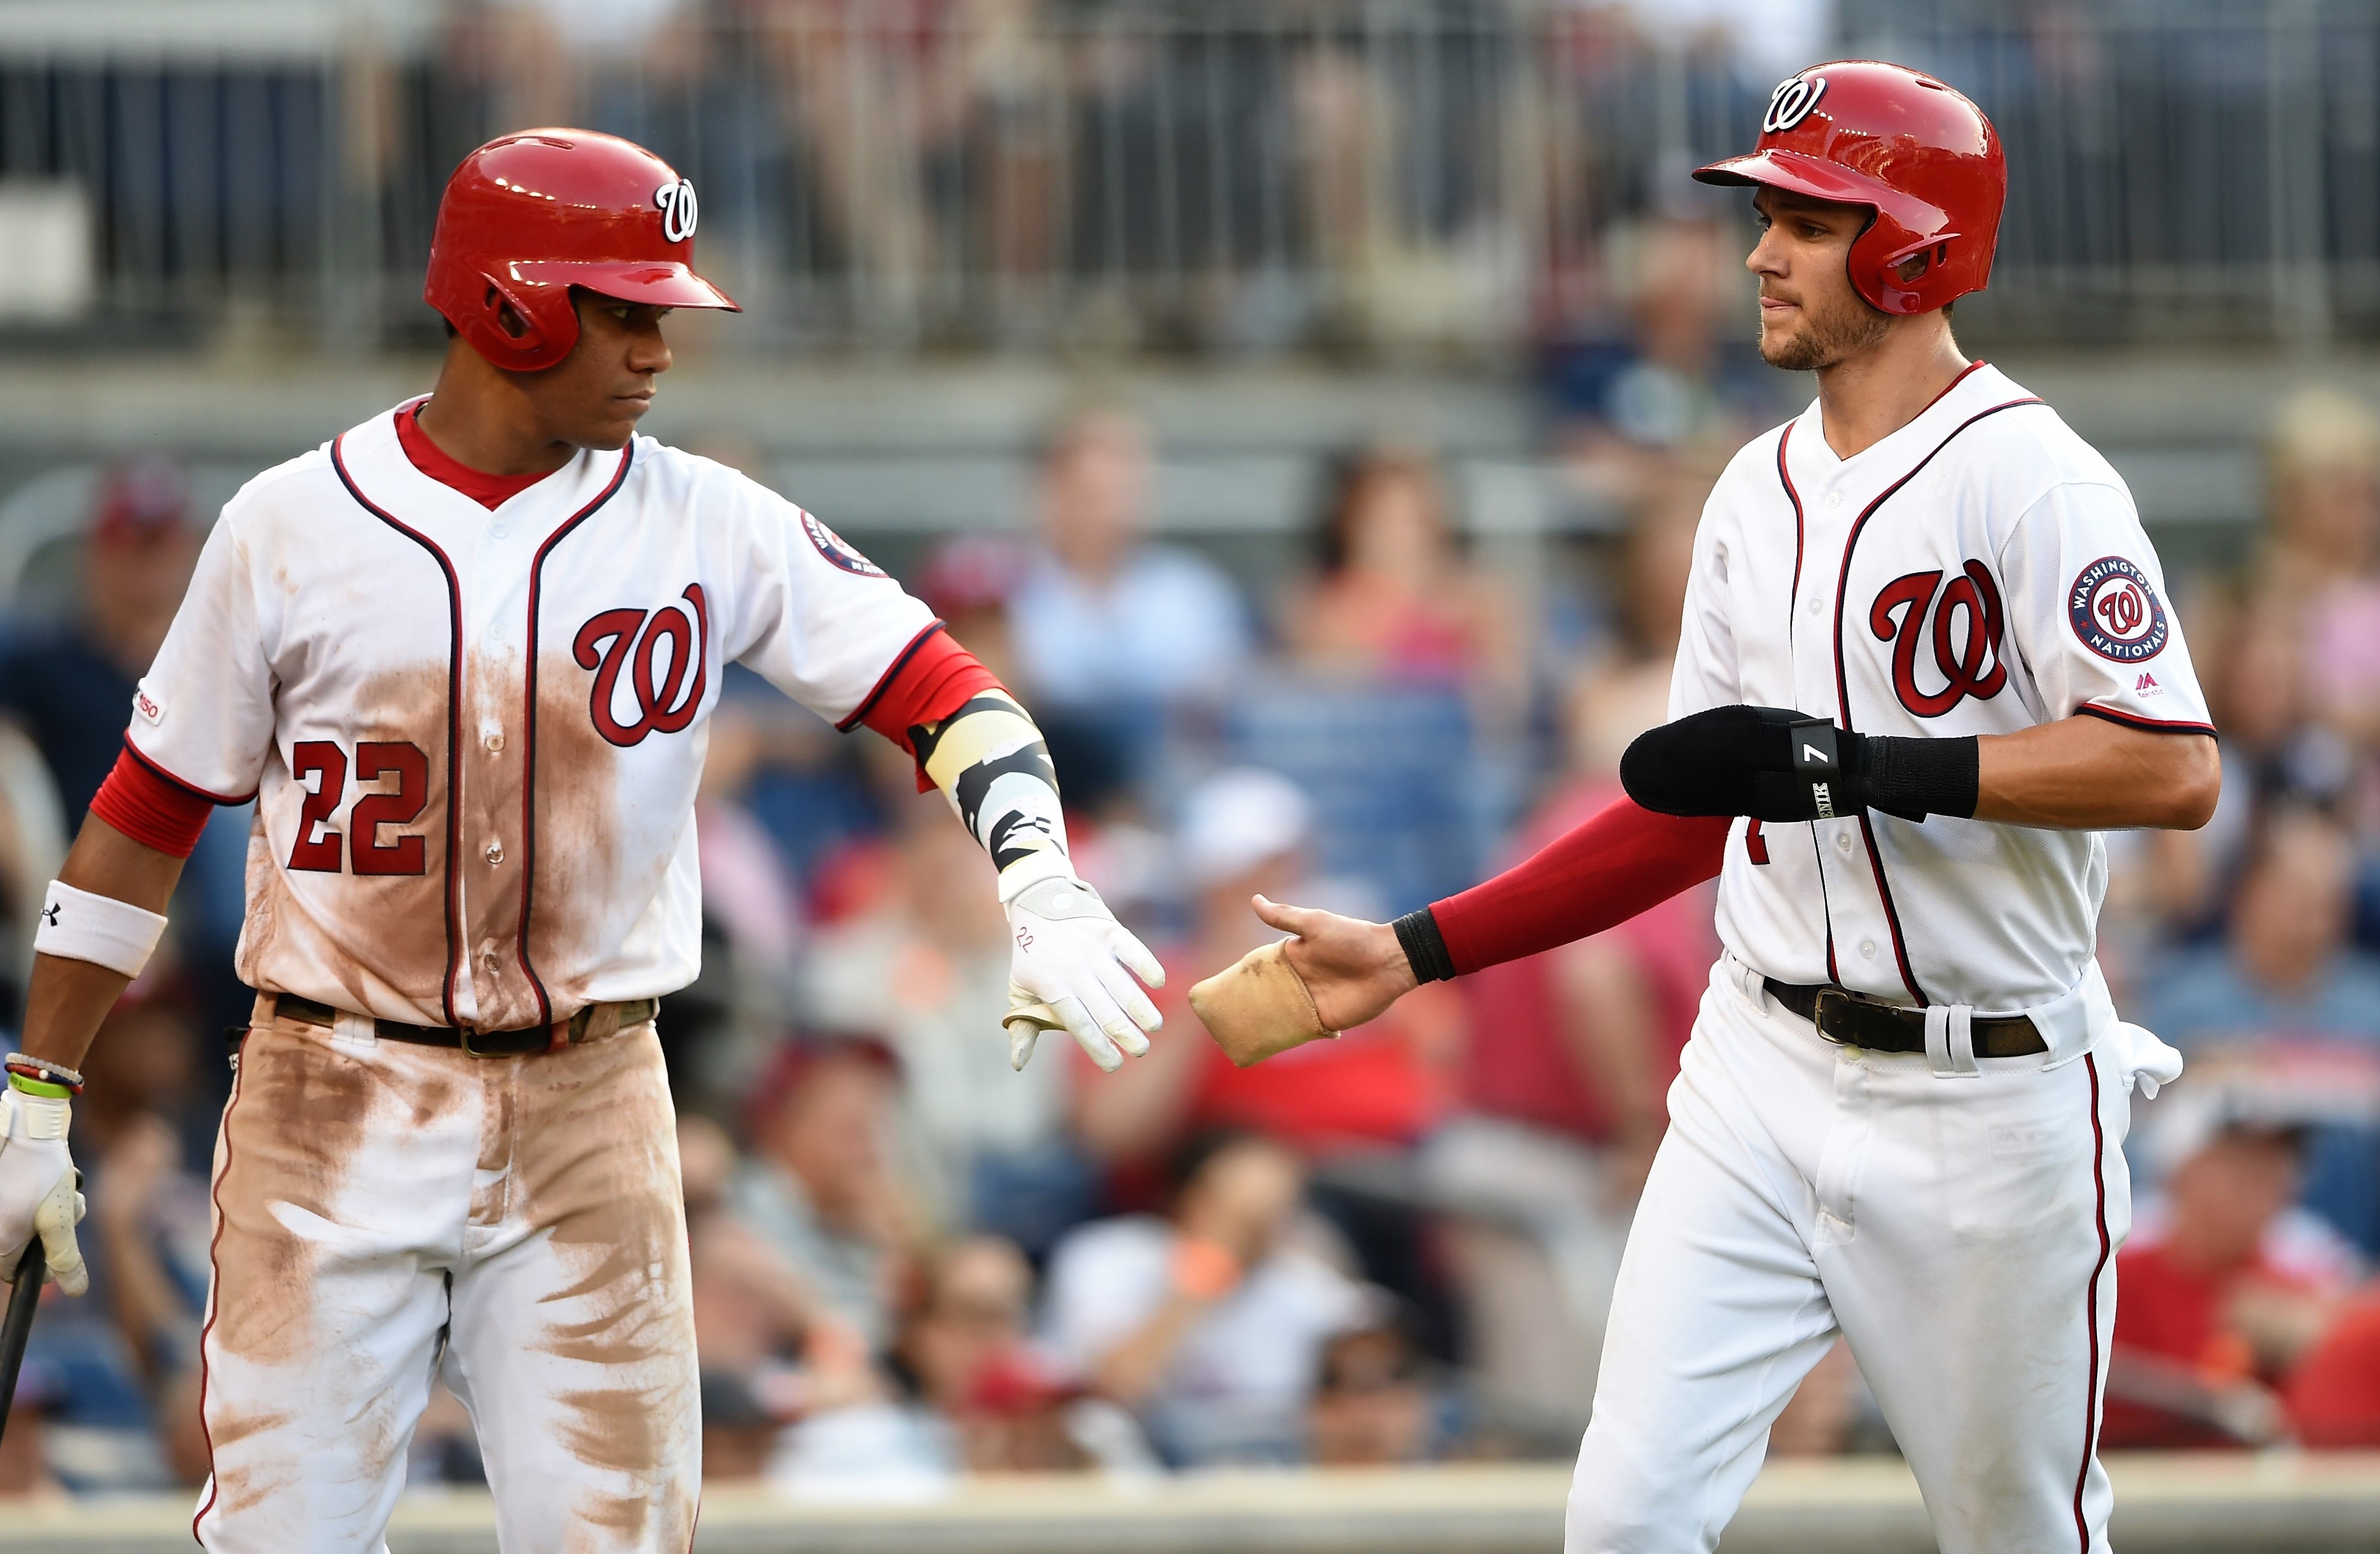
x=1356, y=1105
x=2222, y=1291
x=2334, y=1393
x=1380, y=1087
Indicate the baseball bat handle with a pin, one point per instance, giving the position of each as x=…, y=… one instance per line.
x=23, y=1296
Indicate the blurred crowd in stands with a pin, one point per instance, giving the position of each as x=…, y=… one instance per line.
x=911, y=1263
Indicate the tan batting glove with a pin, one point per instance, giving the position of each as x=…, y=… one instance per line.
x=1259, y=1007
x=38, y=1187
x=1073, y=969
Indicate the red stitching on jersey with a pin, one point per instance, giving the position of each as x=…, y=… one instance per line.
x=188, y=787
x=1794, y=496
x=1842, y=680
x=1891, y=913
x=529, y=729
x=883, y=682
x=214, y=1284
x=1792, y=612
x=2133, y=720
x=2091, y=1305
x=1964, y=372
x=454, y=705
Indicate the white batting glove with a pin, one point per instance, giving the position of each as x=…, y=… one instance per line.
x=1074, y=967
x=38, y=1183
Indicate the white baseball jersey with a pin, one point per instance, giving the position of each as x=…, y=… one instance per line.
x=475, y=736
x=1979, y=571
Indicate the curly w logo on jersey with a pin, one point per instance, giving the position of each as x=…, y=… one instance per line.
x=1966, y=622
x=655, y=649
x=2115, y=612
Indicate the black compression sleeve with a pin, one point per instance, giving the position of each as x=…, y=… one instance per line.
x=1424, y=947
x=1923, y=776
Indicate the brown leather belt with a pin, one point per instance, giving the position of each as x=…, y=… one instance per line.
x=591, y=1024
x=1856, y=1020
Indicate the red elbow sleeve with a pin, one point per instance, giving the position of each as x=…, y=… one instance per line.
x=151, y=808
x=934, y=679
x=1602, y=873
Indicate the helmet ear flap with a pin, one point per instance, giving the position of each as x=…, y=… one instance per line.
x=523, y=329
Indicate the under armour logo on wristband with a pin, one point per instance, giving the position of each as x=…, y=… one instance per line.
x=50, y=914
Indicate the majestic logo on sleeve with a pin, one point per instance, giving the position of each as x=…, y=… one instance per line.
x=1962, y=622
x=665, y=656
x=2115, y=612
x=838, y=550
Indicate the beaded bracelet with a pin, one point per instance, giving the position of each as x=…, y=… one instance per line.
x=41, y=1070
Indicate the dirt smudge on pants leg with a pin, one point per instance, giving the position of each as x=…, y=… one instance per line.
x=596, y=1160
x=302, y=1116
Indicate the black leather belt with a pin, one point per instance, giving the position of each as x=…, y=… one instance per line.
x=604, y=1019
x=1857, y=1020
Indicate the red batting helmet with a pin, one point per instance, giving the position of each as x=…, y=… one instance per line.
x=1921, y=156
x=528, y=216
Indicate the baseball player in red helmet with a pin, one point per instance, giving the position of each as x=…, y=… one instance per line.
x=1927, y=657
x=464, y=655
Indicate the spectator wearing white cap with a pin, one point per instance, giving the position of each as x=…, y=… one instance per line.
x=1244, y=831
x=2226, y=1286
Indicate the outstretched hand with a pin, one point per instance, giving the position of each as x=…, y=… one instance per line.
x=1354, y=969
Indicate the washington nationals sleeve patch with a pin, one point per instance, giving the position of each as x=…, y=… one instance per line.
x=2115, y=612
x=838, y=550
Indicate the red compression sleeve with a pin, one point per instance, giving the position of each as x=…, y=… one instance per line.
x=150, y=809
x=1603, y=872
x=933, y=680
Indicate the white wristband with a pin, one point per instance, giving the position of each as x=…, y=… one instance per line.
x=78, y=926
x=1042, y=863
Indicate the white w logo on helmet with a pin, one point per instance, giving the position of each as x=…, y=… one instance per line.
x=678, y=210
x=1792, y=103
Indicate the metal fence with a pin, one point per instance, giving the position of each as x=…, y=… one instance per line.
x=1223, y=175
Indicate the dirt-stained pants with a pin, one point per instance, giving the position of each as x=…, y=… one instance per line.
x=383, y=1207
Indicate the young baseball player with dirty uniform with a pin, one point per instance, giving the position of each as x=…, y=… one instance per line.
x=464, y=655
x=1927, y=656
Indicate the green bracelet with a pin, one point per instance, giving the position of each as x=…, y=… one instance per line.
x=42, y=1087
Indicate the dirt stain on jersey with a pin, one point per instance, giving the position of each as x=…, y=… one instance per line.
x=377, y=938
x=596, y=1164
x=399, y=920
x=578, y=886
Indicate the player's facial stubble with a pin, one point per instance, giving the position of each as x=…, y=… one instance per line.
x=1833, y=328
x=1802, y=260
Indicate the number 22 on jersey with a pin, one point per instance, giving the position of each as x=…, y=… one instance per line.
x=321, y=767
